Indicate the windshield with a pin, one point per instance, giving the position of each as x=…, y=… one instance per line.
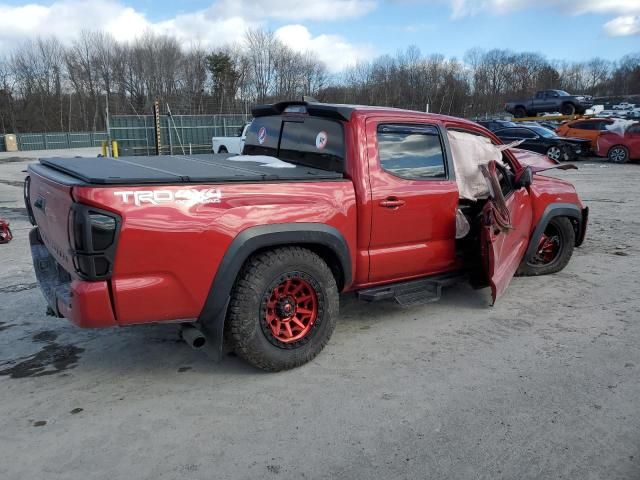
x=544, y=132
x=562, y=93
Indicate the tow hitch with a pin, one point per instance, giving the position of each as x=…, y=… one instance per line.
x=5, y=232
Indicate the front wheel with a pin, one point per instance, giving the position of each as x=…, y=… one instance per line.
x=618, y=154
x=553, y=251
x=283, y=308
x=555, y=153
x=568, y=109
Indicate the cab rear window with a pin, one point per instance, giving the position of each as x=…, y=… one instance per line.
x=310, y=141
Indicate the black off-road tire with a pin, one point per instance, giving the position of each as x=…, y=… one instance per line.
x=568, y=109
x=618, y=154
x=567, y=234
x=520, y=112
x=246, y=324
x=223, y=149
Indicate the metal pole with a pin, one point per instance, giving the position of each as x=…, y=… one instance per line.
x=107, y=118
x=169, y=133
x=156, y=123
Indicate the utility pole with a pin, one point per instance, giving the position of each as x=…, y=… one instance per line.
x=156, y=123
x=106, y=97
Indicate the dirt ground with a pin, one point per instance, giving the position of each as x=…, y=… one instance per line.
x=543, y=385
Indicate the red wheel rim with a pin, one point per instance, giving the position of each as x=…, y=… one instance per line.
x=292, y=309
x=548, y=248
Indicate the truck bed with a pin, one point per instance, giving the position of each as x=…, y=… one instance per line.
x=177, y=169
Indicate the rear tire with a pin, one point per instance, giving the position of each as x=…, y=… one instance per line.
x=554, y=250
x=283, y=309
x=223, y=149
x=519, y=112
x=618, y=154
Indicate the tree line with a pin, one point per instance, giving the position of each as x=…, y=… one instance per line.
x=48, y=86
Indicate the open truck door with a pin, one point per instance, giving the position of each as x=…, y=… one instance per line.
x=506, y=226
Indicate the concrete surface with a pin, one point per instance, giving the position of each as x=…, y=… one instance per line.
x=544, y=385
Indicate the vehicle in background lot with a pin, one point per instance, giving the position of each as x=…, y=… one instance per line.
x=632, y=114
x=542, y=140
x=339, y=198
x=609, y=113
x=550, y=124
x=589, y=129
x=624, y=106
x=549, y=101
x=230, y=144
x=594, y=110
x=620, y=147
x=494, y=125
x=5, y=232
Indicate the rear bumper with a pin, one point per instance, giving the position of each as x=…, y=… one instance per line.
x=583, y=226
x=86, y=304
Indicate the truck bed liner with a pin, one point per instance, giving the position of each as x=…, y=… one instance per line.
x=212, y=168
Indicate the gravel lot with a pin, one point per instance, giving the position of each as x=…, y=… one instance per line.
x=543, y=385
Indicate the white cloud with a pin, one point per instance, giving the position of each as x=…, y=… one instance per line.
x=223, y=22
x=334, y=50
x=623, y=26
x=295, y=9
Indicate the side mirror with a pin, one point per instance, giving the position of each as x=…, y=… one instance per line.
x=525, y=179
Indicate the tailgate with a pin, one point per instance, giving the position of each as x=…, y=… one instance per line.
x=51, y=204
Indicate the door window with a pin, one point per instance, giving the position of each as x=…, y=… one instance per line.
x=413, y=152
x=515, y=133
x=584, y=126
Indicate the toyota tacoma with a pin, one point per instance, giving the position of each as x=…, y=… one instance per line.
x=255, y=249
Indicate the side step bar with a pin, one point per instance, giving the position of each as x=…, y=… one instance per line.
x=413, y=292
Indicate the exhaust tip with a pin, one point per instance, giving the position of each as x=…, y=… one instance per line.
x=193, y=336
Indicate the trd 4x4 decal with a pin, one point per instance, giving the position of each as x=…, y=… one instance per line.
x=157, y=197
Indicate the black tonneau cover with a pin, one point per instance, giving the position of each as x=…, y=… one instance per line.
x=212, y=168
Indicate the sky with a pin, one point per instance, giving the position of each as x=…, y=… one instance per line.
x=343, y=32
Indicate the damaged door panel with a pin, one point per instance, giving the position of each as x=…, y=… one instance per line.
x=506, y=223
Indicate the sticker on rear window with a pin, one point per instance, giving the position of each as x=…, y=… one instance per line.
x=321, y=140
x=262, y=135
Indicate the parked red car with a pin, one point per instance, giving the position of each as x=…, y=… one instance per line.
x=326, y=199
x=620, y=146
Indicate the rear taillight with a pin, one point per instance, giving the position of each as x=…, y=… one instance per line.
x=93, y=233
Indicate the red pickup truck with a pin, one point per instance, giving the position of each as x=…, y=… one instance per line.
x=256, y=249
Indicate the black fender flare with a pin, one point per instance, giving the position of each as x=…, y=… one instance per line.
x=554, y=210
x=213, y=315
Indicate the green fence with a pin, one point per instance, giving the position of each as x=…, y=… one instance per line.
x=180, y=133
x=53, y=141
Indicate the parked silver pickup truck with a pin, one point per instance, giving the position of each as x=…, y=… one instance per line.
x=230, y=144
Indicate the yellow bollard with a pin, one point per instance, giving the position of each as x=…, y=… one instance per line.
x=114, y=148
x=104, y=148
